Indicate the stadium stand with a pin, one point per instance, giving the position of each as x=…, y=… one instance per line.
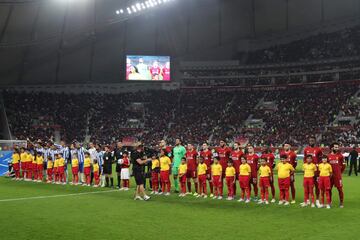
x=321, y=46
x=283, y=93
x=264, y=116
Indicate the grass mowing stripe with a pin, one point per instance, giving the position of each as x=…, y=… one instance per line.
x=55, y=196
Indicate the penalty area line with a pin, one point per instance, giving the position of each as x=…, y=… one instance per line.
x=55, y=196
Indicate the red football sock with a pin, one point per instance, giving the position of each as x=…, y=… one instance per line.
x=248, y=193
x=162, y=186
x=256, y=190
x=189, y=186
x=196, y=184
x=168, y=186
x=272, y=189
x=328, y=200
x=266, y=194
x=317, y=190
x=292, y=191
x=287, y=195
x=211, y=187
x=341, y=195
x=306, y=194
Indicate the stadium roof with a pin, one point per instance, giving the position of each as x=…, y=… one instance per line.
x=67, y=41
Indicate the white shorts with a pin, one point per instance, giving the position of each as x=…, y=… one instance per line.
x=125, y=173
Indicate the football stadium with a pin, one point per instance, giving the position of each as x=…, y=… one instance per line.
x=179, y=119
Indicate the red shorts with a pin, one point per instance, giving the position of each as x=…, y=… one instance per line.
x=336, y=181
x=75, y=170
x=16, y=166
x=264, y=181
x=244, y=181
x=284, y=183
x=324, y=183
x=34, y=166
x=183, y=178
x=56, y=170
x=49, y=171
x=202, y=178
x=216, y=181
x=308, y=182
x=164, y=176
x=191, y=174
x=61, y=170
x=87, y=170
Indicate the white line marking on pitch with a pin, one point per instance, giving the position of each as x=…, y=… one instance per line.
x=55, y=196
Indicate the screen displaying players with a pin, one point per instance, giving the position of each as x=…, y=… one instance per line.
x=148, y=68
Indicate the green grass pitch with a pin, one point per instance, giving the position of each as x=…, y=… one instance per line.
x=115, y=215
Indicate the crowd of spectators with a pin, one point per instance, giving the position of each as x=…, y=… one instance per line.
x=196, y=115
x=39, y=114
x=275, y=75
x=299, y=113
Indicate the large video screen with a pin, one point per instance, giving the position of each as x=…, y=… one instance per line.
x=147, y=68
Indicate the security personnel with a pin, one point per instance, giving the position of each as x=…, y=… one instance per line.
x=353, y=156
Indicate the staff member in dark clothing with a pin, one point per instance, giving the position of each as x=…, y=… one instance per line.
x=117, y=156
x=107, y=166
x=139, y=161
x=353, y=161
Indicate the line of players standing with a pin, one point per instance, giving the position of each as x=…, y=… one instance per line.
x=225, y=154
x=50, y=161
x=105, y=159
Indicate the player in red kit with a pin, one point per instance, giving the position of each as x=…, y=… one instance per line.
x=270, y=161
x=155, y=71
x=223, y=153
x=207, y=155
x=336, y=160
x=290, y=158
x=166, y=72
x=316, y=154
x=191, y=157
x=252, y=159
x=235, y=156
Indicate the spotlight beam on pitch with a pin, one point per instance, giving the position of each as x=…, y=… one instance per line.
x=141, y=6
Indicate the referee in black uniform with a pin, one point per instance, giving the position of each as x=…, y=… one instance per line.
x=107, y=166
x=138, y=159
x=117, y=156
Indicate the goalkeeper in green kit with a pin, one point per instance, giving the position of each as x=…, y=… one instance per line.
x=178, y=153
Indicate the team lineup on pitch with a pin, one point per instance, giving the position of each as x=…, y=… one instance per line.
x=242, y=174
